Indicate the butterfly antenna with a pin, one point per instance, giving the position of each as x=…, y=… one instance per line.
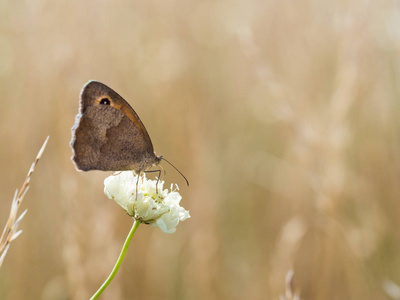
x=187, y=182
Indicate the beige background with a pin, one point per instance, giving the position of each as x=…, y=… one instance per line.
x=284, y=116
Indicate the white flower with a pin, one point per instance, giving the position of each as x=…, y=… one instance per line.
x=160, y=209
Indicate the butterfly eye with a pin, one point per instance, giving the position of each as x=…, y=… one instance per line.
x=105, y=101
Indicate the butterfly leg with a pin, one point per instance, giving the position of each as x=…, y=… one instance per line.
x=158, y=177
x=137, y=184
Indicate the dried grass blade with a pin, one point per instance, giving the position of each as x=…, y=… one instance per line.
x=11, y=231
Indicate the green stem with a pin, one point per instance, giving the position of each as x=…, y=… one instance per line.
x=119, y=261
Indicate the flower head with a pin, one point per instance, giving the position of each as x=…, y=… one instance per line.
x=160, y=209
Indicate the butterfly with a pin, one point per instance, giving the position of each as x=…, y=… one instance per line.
x=108, y=135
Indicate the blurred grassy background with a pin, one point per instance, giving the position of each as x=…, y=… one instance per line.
x=284, y=116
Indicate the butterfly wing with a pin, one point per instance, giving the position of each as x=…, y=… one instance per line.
x=108, y=135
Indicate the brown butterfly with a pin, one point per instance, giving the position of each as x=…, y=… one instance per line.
x=108, y=135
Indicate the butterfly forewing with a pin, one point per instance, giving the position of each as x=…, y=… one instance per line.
x=108, y=135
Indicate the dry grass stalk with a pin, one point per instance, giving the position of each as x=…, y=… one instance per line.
x=289, y=295
x=11, y=231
